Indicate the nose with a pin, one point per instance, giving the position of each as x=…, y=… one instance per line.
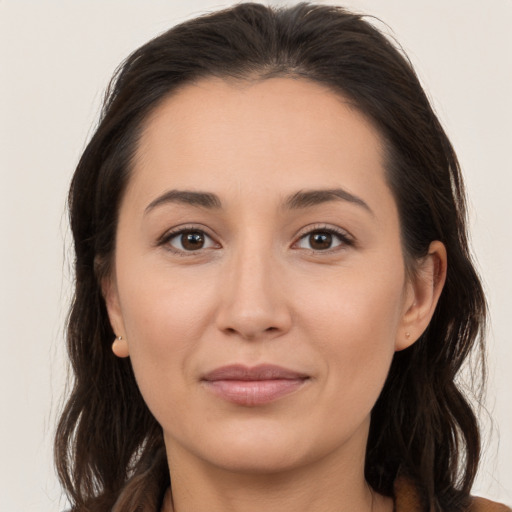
x=253, y=303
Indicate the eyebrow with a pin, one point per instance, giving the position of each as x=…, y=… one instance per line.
x=308, y=198
x=299, y=200
x=202, y=199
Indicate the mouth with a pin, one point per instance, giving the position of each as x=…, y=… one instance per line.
x=254, y=386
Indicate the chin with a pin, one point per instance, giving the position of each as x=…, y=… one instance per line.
x=260, y=448
x=256, y=461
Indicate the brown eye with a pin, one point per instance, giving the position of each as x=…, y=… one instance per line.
x=319, y=241
x=323, y=240
x=192, y=240
x=189, y=240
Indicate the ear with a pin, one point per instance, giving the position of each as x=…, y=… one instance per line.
x=423, y=291
x=111, y=296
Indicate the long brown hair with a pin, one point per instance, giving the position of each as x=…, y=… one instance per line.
x=109, y=449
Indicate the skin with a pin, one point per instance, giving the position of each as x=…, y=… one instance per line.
x=262, y=290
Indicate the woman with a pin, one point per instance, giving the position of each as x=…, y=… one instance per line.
x=274, y=292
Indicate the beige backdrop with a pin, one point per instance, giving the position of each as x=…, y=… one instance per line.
x=55, y=61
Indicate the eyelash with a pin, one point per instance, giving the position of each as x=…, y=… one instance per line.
x=169, y=235
x=345, y=239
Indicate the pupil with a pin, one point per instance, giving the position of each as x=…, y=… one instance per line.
x=321, y=240
x=192, y=240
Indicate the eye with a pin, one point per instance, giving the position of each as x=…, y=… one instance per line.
x=324, y=239
x=188, y=240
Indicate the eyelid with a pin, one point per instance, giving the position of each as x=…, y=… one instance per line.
x=178, y=230
x=347, y=240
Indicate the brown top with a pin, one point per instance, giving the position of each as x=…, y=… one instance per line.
x=406, y=499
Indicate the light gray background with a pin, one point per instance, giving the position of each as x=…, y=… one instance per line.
x=55, y=61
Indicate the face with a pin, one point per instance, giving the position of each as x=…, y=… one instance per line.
x=259, y=280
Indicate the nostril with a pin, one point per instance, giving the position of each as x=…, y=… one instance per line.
x=249, y=334
x=251, y=319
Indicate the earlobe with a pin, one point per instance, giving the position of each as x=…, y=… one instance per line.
x=424, y=290
x=111, y=297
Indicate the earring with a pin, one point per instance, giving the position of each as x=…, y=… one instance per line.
x=119, y=347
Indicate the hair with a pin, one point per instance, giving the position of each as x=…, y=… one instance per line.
x=109, y=449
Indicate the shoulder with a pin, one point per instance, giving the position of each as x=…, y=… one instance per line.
x=408, y=499
x=484, y=505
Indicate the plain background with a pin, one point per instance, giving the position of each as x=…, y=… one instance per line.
x=55, y=61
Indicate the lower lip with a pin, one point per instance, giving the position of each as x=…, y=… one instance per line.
x=253, y=392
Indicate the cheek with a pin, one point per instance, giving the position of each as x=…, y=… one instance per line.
x=158, y=315
x=357, y=303
x=163, y=320
x=353, y=321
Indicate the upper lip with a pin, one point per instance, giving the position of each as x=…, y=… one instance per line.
x=259, y=372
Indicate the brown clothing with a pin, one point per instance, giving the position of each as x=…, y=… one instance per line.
x=407, y=499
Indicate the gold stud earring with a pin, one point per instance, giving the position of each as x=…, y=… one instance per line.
x=119, y=347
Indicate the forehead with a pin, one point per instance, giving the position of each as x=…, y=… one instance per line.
x=260, y=137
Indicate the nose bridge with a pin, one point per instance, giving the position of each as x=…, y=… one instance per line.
x=253, y=303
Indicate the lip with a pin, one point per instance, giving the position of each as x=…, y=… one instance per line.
x=252, y=386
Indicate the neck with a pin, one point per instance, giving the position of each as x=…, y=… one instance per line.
x=327, y=485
